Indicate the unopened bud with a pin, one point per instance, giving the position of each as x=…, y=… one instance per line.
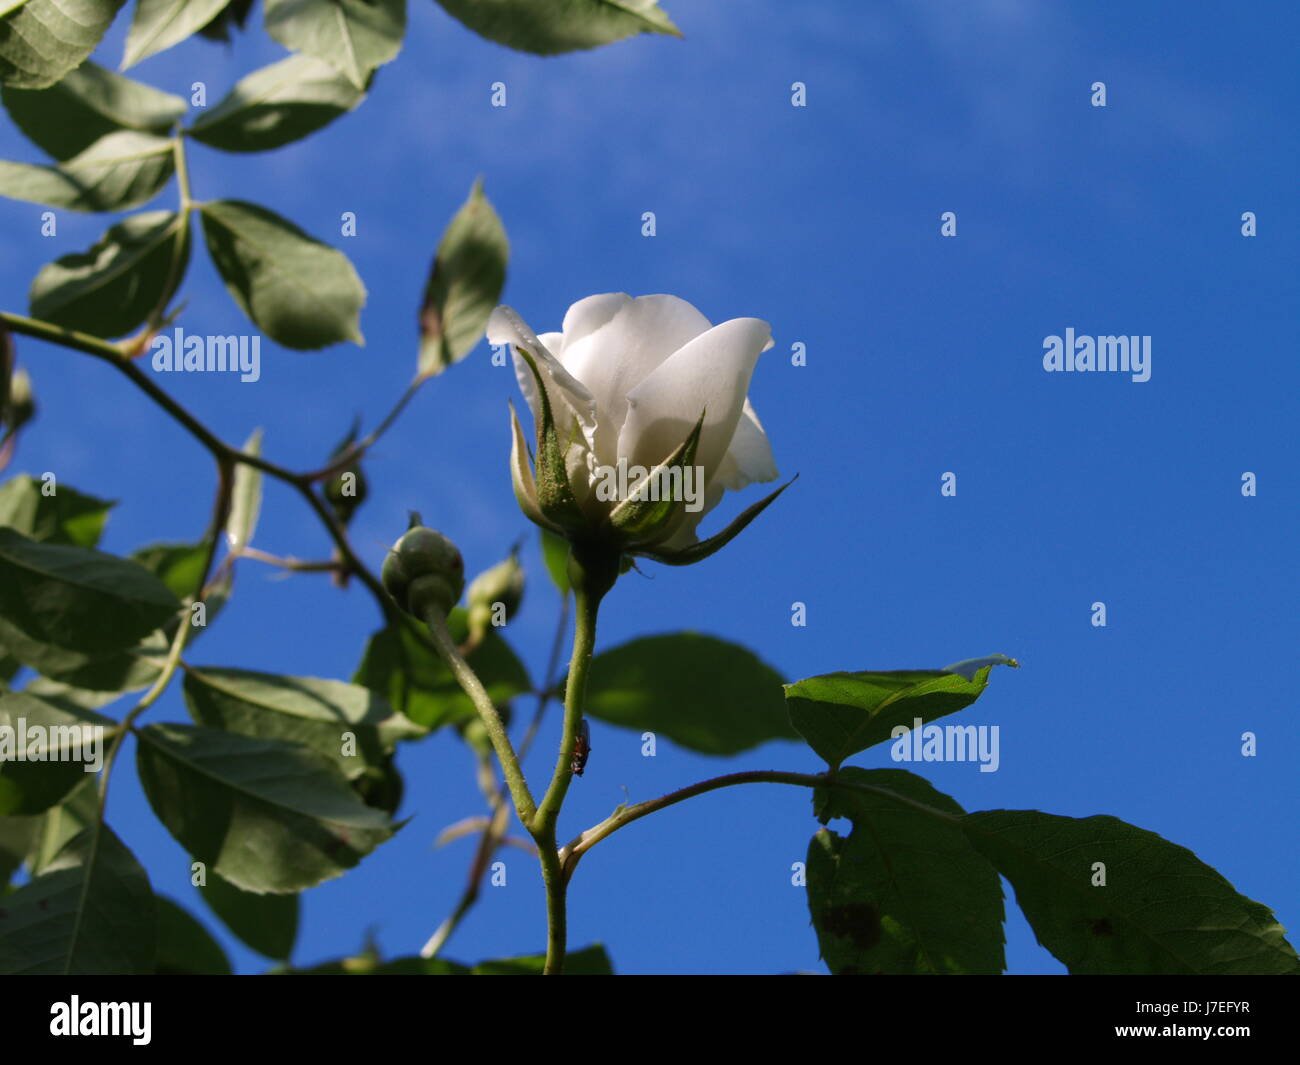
x=424, y=572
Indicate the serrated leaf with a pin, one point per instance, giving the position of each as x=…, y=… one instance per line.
x=840, y=714
x=1161, y=909
x=62, y=607
x=87, y=104
x=266, y=815
x=66, y=517
x=346, y=723
x=41, y=40
x=267, y=924
x=185, y=947
x=131, y=272
x=904, y=892
x=91, y=912
x=117, y=172
x=245, y=498
x=549, y=27
x=701, y=692
x=46, y=750
x=407, y=672
x=159, y=24
x=465, y=283
x=301, y=293
x=277, y=105
x=353, y=36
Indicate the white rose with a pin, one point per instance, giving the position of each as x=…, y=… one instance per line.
x=628, y=379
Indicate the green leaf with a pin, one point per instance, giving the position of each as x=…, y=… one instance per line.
x=245, y=498
x=266, y=815
x=701, y=692
x=277, y=105
x=41, y=40
x=590, y=961
x=320, y=714
x=89, y=103
x=62, y=607
x=185, y=947
x=159, y=24
x=401, y=666
x=1161, y=910
x=464, y=284
x=353, y=36
x=132, y=271
x=17, y=834
x=90, y=912
x=235, y=13
x=555, y=555
x=301, y=293
x=840, y=714
x=61, y=823
x=904, y=892
x=117, y=172
x=549, y=27
x=267, y=924
x=46, y=750
x=179, y=566
x=65, y=517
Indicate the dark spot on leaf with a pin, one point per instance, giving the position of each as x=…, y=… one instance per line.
x=1101, y=927
x=855, y=921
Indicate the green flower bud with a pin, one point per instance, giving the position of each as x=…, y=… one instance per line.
x=345, y=492
x=495, y=595
x=424, y=572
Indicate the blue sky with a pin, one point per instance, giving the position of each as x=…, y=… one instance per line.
x=923, y=357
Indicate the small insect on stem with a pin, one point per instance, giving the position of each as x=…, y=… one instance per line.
x=581, y=748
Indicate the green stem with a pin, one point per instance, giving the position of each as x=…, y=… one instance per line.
x=487, y=711
x=625, y=815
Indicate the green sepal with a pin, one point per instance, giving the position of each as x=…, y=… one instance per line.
x=555, y=498
x=650, y=520
x=702, y=550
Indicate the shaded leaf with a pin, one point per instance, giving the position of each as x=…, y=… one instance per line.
x=41, y=40
x=555, y=554
x=548, y=27
x=1161, y=909
x=464, y=284
x=62, y=606
x=277, y=105
x=131, y=272
x=90, y=912
x=320, y=714
x=266, y=815
x=267, y=924
x=840, y=714
x=89, y=103
x=590, y=961
x=701, y=692
x=301, y=293
x=46, y=750
x=61, y=823
x=185, y=947
x=904, y=892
